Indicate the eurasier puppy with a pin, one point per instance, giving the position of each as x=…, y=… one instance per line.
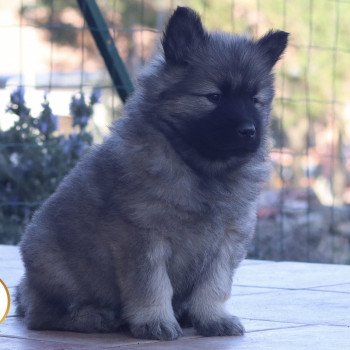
x=148, y=228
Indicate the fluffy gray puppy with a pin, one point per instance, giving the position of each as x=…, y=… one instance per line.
x=148, y=228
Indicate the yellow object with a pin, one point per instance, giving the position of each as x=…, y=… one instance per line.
x=4, y=301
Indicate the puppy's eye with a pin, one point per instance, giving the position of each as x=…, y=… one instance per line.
x=256, y=100
x=214, y=98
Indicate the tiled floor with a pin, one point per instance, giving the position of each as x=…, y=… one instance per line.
x=283, y=306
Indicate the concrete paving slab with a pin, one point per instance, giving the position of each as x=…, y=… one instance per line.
x=12, y=264
x=12, y=310
x=26, y=344
x=9, y=252
x=243, y=290
x=14, y=327
x=10, y=276
x=298, y=338
x=298, y=306
x=291, y=275
x=340, y=288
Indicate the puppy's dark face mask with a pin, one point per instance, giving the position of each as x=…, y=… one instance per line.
x=233, y=128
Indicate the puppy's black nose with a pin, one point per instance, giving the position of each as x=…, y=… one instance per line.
x=247, y=130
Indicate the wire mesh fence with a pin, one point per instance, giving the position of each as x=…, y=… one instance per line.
x=304, y=212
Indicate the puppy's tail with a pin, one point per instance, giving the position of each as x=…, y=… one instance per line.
x=19, y=298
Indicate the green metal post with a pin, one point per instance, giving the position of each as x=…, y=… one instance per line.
x=105, y=44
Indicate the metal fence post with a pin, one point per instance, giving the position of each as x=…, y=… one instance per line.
x=105, y=44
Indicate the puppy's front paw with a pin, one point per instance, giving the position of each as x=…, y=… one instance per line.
x=229, y=325
x=158, y=329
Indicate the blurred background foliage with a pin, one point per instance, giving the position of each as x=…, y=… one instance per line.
x=311, y=114
x=315, y=70
x=34, y=159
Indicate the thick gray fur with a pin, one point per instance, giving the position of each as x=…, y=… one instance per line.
x=146, y=231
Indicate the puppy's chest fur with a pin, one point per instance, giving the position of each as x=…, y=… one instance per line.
x=160, y=192
x=195, y=218
x=178, y=203
x=192, y=218
x=214, y=225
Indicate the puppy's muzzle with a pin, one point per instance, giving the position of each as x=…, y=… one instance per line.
x=247, y=131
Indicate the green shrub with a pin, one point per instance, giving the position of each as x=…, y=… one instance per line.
x=34, y=158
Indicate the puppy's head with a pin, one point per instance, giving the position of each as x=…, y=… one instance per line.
x=212, y=91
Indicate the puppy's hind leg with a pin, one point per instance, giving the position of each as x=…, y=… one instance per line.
x=92, y=318
x=43, y=314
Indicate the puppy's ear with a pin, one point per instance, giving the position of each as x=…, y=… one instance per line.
x=183, y=34
x=273, y=44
